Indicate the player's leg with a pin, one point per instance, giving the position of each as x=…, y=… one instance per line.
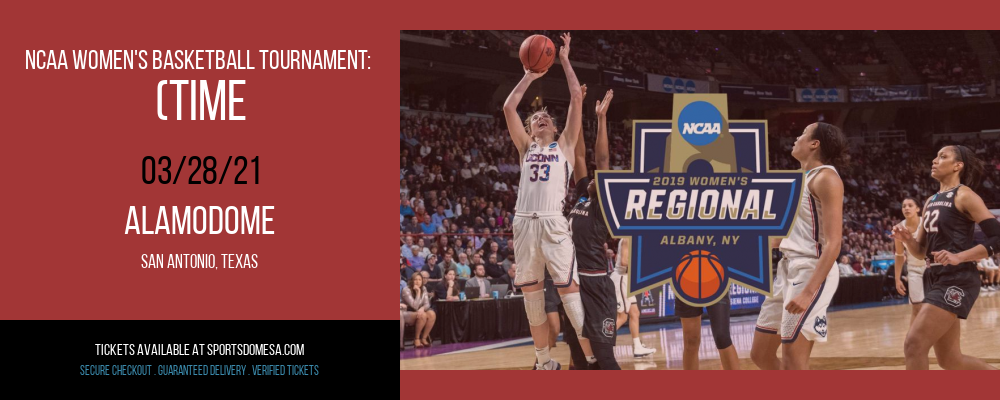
x=800, y=331
x=530, y=278
x=431, y=319
x=948, y=350
x=691, y=329
x=766, y=338
x=718, y=315
x=577, y=359
x=418, y=332
x=560, y=255
x=916, y=291
x=598, y=295
x=930, y=325
x=638, y=350
x=552, y=306
x=795, y=354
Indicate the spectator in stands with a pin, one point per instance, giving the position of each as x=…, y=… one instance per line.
x=430, y=267
x=508, y=279
x=480, y=281
x=402, y=320
x=424, y=251
x=416, y=261
x=448, y=289
x=439, y=216
x=419, y=311
x=405, y=270
x=845, y=267
x=462, y=267
x=428, y=227
x=405, y=250
x=493, y=269
x=508, y=262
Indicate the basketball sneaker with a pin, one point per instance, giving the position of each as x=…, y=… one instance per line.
x=552, y=365
x=638, y=350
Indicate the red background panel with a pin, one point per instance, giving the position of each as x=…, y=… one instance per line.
x=73, y=143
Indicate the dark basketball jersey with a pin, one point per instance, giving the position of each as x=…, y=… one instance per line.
x=586, y=223
x=946, y=227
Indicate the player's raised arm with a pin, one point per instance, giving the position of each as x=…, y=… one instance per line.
x=602, y=157
x=571, y=133
x=626, y=253
x=514, y=124
x=580, y=154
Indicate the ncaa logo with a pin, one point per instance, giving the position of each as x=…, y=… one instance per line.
x=689, y=86
x=820, y=95
x=668, y=84
x=807, y=95
x=679, y=85
x=700, y=123
x=832, y=95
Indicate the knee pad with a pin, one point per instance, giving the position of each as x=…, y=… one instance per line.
x=574, y=311
x=534, y=306
x=720, y=327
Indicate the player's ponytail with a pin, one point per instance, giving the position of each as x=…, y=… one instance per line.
x=832, y=145
x=973, y=168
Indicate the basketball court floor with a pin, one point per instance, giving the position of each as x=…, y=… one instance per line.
x=867, y=336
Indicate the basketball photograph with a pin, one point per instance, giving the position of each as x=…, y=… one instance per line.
x=699, y=200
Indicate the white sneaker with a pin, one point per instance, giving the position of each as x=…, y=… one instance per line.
x=552, y=365
x=641, y=351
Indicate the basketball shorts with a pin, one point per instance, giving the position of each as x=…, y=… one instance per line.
x=621, y=292
x=597, y=293
x=541, y=243
x=717, y=310
x=793, y=274
x=915, y=283
x=953, y=288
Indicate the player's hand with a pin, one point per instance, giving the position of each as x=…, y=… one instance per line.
x=583, y=91
x=945, y=257
x=402, y=306
x=602, y=106
x=420, y=312
x=564, y=50
x=800, y=303
x=531, y=75
x=902, y=233
x=900, y=287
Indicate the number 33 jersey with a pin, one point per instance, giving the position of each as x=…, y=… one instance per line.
x=544, y=180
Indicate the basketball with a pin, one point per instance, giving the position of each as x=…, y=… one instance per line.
x=700, y=274
x=537, y=53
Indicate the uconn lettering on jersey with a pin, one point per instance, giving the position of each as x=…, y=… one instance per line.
x=536, y=157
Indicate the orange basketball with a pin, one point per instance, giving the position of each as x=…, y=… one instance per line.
x=537, y=53
x=700, y=274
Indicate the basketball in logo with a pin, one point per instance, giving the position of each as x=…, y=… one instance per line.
x=700, y=275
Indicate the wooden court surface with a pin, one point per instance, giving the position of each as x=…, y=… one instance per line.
x=866, y=338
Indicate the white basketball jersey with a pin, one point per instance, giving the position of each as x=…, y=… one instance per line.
x=618, y=259
x=806, y=238
x=912, y=260
x=545, y=174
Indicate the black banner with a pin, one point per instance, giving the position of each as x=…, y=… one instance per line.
x=615, y=78
x=861, y=94
x=959, y=91
x=756, y=92
x=164, y=353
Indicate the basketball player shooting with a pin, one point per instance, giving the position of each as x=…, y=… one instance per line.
x=806, y=278
x=541, y=232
